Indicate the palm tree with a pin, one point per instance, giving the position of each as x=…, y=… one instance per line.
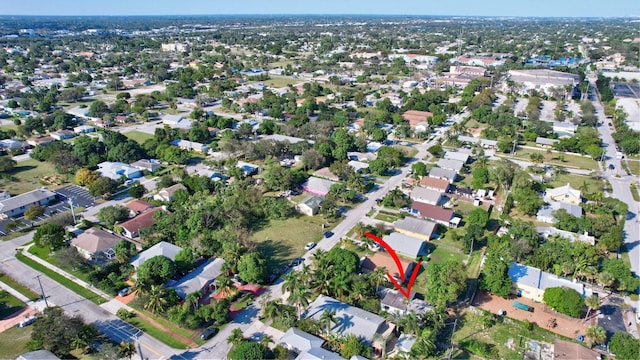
x=223, y=284
x=340, y=286
x=271, y=309
x=605, y=279
x=156, y=299
x=305, y=274
x=593, y=303
x=266, y=340
x=584, y=187
x=291, y=282
x=327, y=318
x=360, y=228
x=323, y=279
x=425, y=344
x=300, y=297
x=597, y=334
x=127, y=349
x=378, y=276
x=236, y=336
x=194, y=299
x=409, y=323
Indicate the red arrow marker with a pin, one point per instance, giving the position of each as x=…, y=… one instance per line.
x=407, y=292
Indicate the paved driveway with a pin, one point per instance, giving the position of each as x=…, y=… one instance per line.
x=611, y=318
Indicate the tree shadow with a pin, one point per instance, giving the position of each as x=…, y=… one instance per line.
x=276, y=252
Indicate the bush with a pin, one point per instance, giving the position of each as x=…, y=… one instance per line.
x=564, y=300
x=124, y=314
x=477, y=347
x=624, y=346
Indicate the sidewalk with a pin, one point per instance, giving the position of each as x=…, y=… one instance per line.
x=80, y=282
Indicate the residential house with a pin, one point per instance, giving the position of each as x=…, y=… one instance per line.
x=326, y=174
x=310, y=205
x=162, y=248
x=403, y=345
x=421, y=127
x=545, y=142
x=38, y=355
x=96, y=244
x=83, y=129
x=63, y=134
x=352, y=320
x=282, y=138
x=396, y=303
x=12, y=144
x=485, y=143
x=40, y=141
x=317, y=186
x=117, y=170
x=426, y=196
x=318, y=353
x=564, y=129
x=132, y=227
x=435, y=184
x=166, y=194
x=17, y=205
x=415, y=117
x=190, y=146
x=545, y=213
x=417, y=228
x=138, y=206
x=361, y=156
x=150, y=165
x=248, y=169
x=448, y=164
x=446, y=174
x=177, y=122
x=299, y=341
x=438, y=214
x=571, y=236
x=467, y=70
x=198, y=279
x=565, y=194
x=457, y=155
x=358, y=166
x=530, y=282
x=406, y=245
x=384, y=260
x=569, y=350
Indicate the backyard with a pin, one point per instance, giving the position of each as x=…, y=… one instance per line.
x=279, y=81
x=283, y=240
x=13, y=342
x=138, y=136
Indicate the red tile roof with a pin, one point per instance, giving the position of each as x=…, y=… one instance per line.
x=415, y=117
x=139, y=206
x=432, y=212
x=140, y=222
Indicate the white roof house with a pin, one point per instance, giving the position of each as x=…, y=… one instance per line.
x=406, y=245
x=162, y=248
x=299, y=341
x=317, y=186
x=18, y=204
x=198, y=278
x=177, y=121
x=455, y=165
x=358, y=166
x=116, y=170
x=12, y=144
x=528, y=277
x=426, y=196
x=564, y=193
x=456, y=155
x=83, y=129
x=190, y=145
x=318, y=353
x=446, y=174
x=350, y=319
x=565, y=128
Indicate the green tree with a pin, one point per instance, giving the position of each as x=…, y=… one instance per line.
x=103, y=186
x=49, y=235
x=124, y=251
x=596, y=334
x=351, y=345
x=495, y=277
x=327, y=318
x=56, y=331
x=156, y=299
x=33, y=212
x=624, y=346
x=109, y=215
x=419, y=169
x=137, y=190
x=6, y=164
x=564, y=300
x=248, y=350
x=98, y=108
x=155, y=271
x=479, y=216
x=480, y=178
x=127, y=349
x=252, y=267
x=344, y=261
x=445, y=282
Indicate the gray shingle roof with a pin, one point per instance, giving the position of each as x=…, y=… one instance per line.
x=405, y=245
x=26, y=199
x=162, y=248
x=414, y=225
x=299, y=340
x=199, y=277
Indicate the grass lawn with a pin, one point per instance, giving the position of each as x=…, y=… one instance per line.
x=577, y=181
x=46, y=255
x=634, y=166
x=161, y=335
x=408, y=150
x=386, y=216
x=283, y=240
x=78, y=289
x=554, y=158
x=26, y=176
x=503, y=331
x=138, y=136
x=13, y=127
x=19, y=287
x=280, y=81
x=13, y=342
x=634, y=192
x=11, y=304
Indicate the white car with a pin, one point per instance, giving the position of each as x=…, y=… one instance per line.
x=310, y=246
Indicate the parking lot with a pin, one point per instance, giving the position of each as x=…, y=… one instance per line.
x=628, y=90
x=79, y=195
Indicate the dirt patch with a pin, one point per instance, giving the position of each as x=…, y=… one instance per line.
x=541, y=315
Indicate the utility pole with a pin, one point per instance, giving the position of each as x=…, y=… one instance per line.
x=73, y=211
x=42, y=291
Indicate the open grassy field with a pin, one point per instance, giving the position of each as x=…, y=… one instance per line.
x=7, y=127
x=554, y=158
x=19, y=287
x=159, y=334
x=634, y=166
x=503, y=331
x=13, y=342
x=283, y=240
x=138, y=136
x=26, y=176
x=46, y=255
x=280, y=81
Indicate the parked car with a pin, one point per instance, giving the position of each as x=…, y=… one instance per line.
x=297, y=261
x=612, y=167
x=208, y=333
x=28, y=321
x=124, y=292
x=310, y=246
x=236, y=280
x=328, y=234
